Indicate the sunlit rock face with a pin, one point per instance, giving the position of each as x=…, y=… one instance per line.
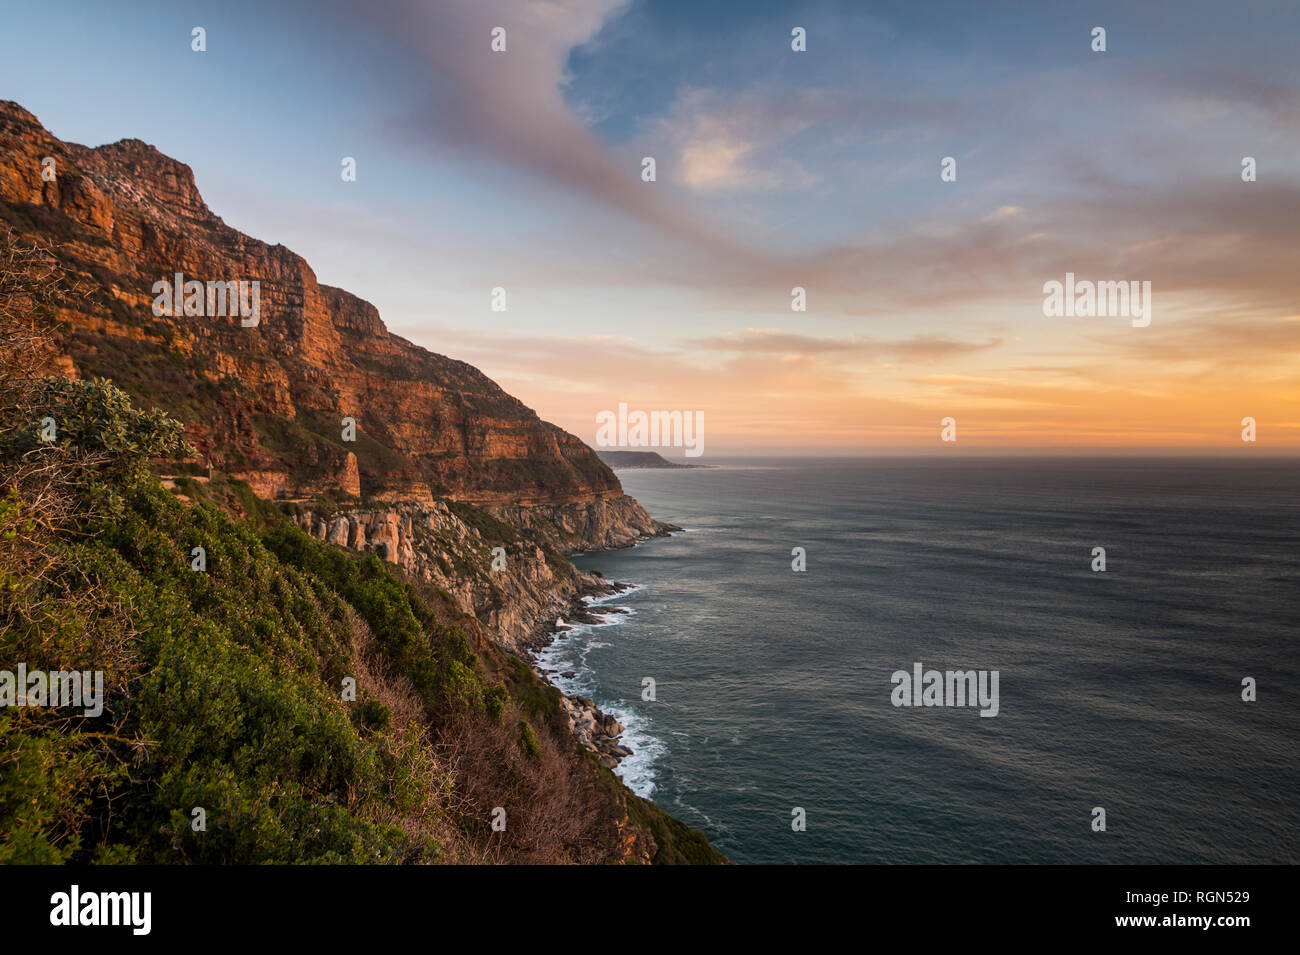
x=268, y=403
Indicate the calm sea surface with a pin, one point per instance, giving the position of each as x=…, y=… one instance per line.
x=1119, y=689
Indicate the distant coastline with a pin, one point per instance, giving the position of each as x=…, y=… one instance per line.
x=619, y=460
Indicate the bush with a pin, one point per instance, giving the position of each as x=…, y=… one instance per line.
x=222, y=686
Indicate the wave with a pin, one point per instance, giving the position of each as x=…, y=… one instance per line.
x=567, y=653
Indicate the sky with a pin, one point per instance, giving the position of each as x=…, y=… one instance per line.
x=775, y=168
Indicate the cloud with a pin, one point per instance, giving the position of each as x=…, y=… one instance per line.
x=918, y=348
x=1128, y=173
x=735, y=144
x=775, y=138
x=1223, y=341
x=509, y=107
x=1003, y=212
x=716, y=161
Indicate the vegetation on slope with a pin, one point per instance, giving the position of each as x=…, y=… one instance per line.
x=226, y=678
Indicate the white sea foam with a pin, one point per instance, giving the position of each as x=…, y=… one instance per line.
x=568, y=654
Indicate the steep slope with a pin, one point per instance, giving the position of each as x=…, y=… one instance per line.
x=283, y=701
x=266, y=403
x=338, y=676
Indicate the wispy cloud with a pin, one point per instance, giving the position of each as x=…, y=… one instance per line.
x=918, y=348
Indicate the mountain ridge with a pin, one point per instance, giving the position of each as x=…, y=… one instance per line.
x=267, y=404
x=420, y=562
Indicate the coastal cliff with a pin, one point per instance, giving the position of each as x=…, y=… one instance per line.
x=431, y=542
x=416, y=514
x=271, y=405
x=268, y=403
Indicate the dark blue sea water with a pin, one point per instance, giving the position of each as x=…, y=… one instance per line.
x=1119, y=689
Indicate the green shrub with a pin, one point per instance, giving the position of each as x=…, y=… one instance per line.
x=528, y=741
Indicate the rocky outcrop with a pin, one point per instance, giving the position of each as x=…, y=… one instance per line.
x=269, y=402
x=517, y=590
x=596, y=731
x=586, y=525
x=349, y=476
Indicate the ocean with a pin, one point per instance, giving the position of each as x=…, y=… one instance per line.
x=1119, y=690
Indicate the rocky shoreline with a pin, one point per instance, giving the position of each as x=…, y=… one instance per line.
x=433, y=543
x=596, y=731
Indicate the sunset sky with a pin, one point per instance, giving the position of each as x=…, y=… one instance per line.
x=775, y=169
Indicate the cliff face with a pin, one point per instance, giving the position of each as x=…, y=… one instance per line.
x=448, y=478
x=612, y=522
x=267, y=403
x=518, y=591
